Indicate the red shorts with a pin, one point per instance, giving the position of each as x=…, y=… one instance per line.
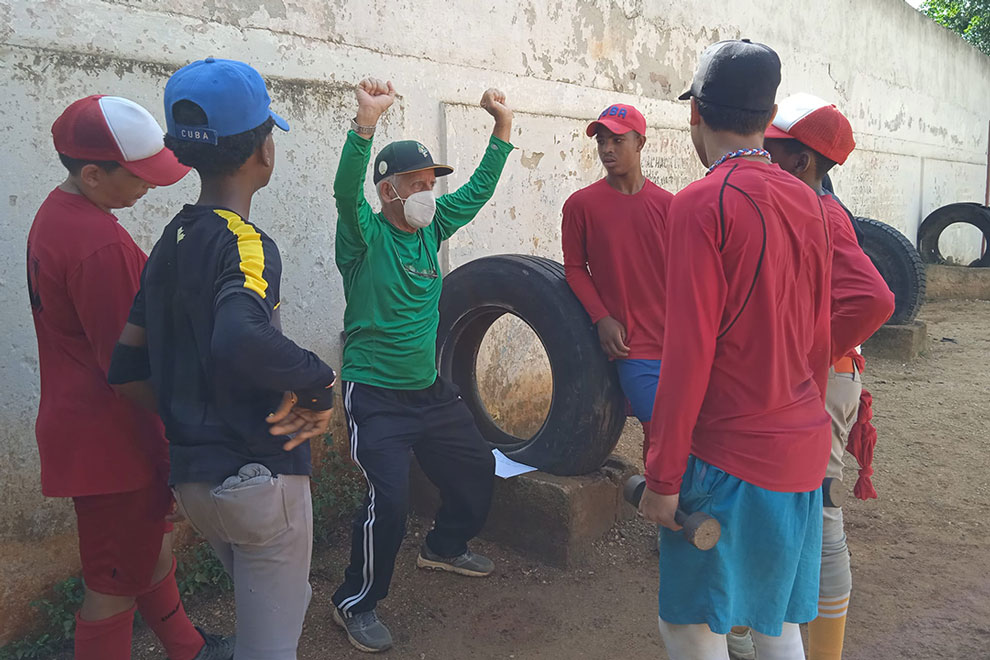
x=120, y=538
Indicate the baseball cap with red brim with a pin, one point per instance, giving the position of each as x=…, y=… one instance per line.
x=619, y=119
x=111, y=128
x=814, y=123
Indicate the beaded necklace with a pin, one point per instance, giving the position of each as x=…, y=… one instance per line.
x=739, y=153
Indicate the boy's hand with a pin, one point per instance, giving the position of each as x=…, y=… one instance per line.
x=612, y=337
x=301, y=423
x=659, y=508
x=374, y=97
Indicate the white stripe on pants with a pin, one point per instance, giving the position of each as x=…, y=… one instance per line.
x=369, y=525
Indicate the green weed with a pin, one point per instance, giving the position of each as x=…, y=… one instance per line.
x=198, y=571
x=56, y=633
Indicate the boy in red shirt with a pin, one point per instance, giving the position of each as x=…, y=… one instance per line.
x=107, y=454
x=741, y=431
x=808, y=138
x=611, y=234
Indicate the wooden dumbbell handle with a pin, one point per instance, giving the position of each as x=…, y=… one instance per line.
x=700, y=529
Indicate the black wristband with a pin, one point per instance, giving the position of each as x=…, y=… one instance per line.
x=321, y=399
x=318, y=398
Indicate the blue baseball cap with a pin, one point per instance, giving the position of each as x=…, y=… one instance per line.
x=231, y=93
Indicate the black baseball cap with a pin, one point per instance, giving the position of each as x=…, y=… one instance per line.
x=737, y=74
x=406, y=156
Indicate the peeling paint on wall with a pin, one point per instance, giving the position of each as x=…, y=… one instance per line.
x=919, y=111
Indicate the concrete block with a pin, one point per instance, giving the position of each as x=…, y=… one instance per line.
x=957, y=283
x=553, y=519
x=897, y=342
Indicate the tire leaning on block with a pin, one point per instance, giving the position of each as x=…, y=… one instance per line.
x=587, y=410
x=900, y=266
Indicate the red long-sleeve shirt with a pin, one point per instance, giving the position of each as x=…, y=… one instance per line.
x=613, y=261
x=746, y=346
x=861, y=300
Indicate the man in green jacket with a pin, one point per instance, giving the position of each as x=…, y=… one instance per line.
x=393, y=397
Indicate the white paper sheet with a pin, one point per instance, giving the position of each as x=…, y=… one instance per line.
x=506, y=468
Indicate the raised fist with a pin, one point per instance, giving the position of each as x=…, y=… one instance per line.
x=493, y=101
x=374, y=97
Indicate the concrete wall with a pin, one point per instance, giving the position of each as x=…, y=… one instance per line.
x=915, y=93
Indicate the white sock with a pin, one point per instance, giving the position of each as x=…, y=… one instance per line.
x=788, y=646
x=694, y=641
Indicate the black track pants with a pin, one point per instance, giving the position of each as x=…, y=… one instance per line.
x=385, y=427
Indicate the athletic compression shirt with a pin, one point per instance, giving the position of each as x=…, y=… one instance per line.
x=746, y=348
x=209, y=301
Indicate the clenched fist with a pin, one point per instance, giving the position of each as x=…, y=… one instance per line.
x=374, y=97
x=493, y=101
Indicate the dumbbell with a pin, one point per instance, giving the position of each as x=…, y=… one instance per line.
x=700, y=529
x=833, y=494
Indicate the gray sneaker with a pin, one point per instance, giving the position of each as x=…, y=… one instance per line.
x=468, y=564
x=365, y=631
x=215, y=647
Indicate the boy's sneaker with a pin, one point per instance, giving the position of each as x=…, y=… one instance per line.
x=468, y=564
x=741, y=645
x=215, y=647
x=365, y=631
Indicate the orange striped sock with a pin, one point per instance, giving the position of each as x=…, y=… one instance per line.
x=827, y=633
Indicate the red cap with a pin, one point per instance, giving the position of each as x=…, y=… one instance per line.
x=112, y=128
x=814, y=123
x=619, y=119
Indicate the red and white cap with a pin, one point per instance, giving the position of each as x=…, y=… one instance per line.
x=814, y=123
x=113, y=128
x=619, y=118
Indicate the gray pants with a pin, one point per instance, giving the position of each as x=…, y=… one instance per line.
x=261, y=528
x=842, y=404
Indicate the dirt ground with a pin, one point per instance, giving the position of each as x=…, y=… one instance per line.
x=919, y=553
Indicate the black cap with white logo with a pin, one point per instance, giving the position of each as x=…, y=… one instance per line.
x=406, y=156
x=737, y=74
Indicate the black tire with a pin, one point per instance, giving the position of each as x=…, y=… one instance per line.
x=587, y=410
x=939, y=220
x=900, y=266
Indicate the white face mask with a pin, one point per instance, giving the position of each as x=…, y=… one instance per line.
x=419, y=208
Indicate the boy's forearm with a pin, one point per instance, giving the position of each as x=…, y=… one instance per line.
x=245, y=343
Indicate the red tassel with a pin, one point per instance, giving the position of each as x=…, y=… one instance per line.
x=861, y=444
